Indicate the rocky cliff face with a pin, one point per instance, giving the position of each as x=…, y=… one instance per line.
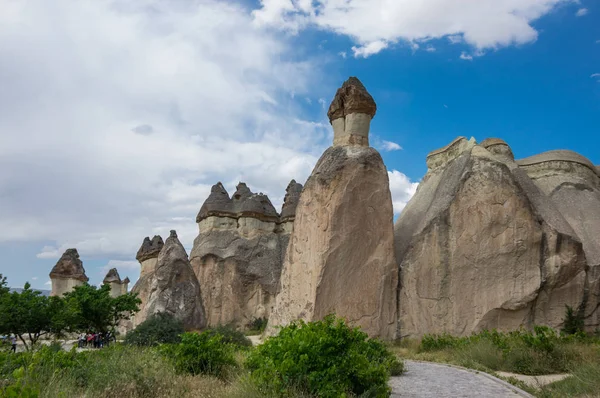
x=172, y=287
x=572, y=182
x=340, y=258
x=67, y=273
x=481, y=246
x=238, y=252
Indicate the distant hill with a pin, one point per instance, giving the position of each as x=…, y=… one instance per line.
x=19, y=289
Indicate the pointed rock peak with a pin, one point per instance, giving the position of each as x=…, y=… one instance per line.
x=242, y=192
x=69, y=266
x=173, y=234
x=126, y=280
x=149, y=248
x=352, y=97
x=112, y=276
x=218, y=203
x=290, y=202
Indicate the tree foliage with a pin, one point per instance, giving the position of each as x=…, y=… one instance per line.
x=160, y=328
x=89, y=308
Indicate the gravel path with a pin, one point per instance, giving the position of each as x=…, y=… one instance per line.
x=425, y=379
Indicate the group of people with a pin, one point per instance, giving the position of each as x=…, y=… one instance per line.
x=95, y=340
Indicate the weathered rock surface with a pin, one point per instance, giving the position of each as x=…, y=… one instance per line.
x=340, y=258
x=172, y=288
x=572, y=182
x=117, y=286
x=67, y=273
x=480, y=246
x=237, y=255
x=147, y=255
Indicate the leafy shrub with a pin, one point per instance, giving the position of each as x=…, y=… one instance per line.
x=324, y=358
x=157, y=329
x=436, y=342
x=202, y=353
x=258, y=324
x=229, y=335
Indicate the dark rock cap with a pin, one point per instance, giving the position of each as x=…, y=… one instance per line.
x=352, y=97
x=126, y=280
x=69, y=266
x=290, y=202
x=218, y=203
x=243, y=203
x=150, y=248
x=112, y=276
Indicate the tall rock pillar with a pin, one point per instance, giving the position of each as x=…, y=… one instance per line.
x=340, y=258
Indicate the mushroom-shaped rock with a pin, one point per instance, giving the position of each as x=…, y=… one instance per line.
x=258, y=206
x=242, y=192
x=112, y=276
x=217, y=204
x=67, y=273
x=340, y=257
x=350, y=114
x=149, y=248
x=290, y=202
x=173, y=287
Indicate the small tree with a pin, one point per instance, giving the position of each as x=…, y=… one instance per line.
x=573, y=322
x=159, y=328
x=91, y=308
x=29, y=313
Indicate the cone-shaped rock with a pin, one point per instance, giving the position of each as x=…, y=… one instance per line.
x=117, y=286
x=237, y=256
x=340, y=258
x=217, y=204
x=173, y=287
x=480, y=246
x=67, y=273
x=112, y=276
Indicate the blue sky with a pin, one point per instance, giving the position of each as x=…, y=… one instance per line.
x=231, y=91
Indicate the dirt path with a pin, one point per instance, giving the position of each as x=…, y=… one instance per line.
x=425, y=379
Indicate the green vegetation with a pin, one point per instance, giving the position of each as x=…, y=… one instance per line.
x=256, y=326
x=325, y=358
x=161, y=328
x=230, y=335
x=29, y=315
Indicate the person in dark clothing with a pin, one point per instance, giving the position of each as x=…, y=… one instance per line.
x=13, y=341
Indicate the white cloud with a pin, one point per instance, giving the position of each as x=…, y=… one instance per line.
x=595, y=75
x=430, y=49
x=466, y=56
x=581, y=12
x=48, y=283
x=342, y=54
x=389, y=146
x=34, y=278
x=374, y=24
x=402, y=189
x=369, y=49
x=323, y=102
x=139, y=108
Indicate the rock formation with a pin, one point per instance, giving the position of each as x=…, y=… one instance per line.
x=238, y=252
x=118, y=287
x=572, y=182
x=340, y=258
x=480, y=246
x=67, y=273
x=170, y=287
x=147, y=255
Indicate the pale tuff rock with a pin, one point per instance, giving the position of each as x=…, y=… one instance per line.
x=480, y=246
x=67, y=273
x=238, y=253
x=118, y=287
x=350, y=114
x=572, y=182
x=172, y=288
x=340, y=258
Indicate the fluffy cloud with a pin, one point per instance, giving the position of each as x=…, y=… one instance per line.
x=581, y=12
x=402, y=189
x=374, y=24
x=116, y=117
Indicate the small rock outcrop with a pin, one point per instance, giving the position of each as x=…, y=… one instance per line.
x=481, y=246
x=67, y=273
x=340, y=258
x=238, y=252
x=118, y=287
x=171, y=287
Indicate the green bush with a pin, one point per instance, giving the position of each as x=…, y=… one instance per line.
x=324, y=358
x=229, y=335
x=258, y=325
x=573, y=322
x=158, y=329
x=202, y=353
